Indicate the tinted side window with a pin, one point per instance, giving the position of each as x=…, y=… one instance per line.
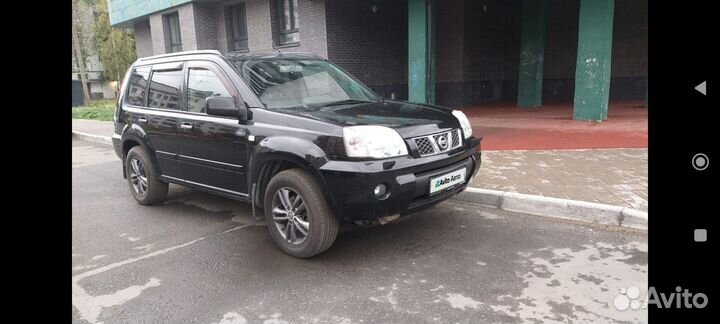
x=203, y=83
x=137, y=86
x=165, y=89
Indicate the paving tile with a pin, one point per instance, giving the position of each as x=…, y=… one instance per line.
x=610, y=176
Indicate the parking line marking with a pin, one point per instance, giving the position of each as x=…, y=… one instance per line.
x=150, y=255
x=89, y=307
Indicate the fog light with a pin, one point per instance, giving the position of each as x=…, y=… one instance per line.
x=380, y=191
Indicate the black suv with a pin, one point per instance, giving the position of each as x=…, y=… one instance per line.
x=291, y=133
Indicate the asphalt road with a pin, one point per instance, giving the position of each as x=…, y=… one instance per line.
x=203, y=259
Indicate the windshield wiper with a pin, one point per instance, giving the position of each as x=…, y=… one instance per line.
x=347, y=102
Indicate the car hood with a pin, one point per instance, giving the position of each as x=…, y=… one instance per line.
x=407, y=118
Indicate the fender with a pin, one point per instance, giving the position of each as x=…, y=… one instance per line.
x=298, y=151
x=137, y=134
x=292, y=149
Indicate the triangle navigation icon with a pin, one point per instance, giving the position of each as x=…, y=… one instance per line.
x=702, y=88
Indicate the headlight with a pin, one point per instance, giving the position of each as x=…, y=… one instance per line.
x=464, y=122
x=373, y=142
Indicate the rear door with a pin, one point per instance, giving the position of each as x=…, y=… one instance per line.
x=212, y=149
x=153, y=105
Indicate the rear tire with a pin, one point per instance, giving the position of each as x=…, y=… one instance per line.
x=144, y=185
x=297, y=215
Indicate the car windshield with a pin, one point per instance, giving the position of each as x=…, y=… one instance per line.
x=301, y=83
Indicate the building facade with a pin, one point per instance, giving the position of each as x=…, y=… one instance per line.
x=450, y=52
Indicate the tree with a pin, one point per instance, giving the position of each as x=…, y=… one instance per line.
x=115, y=47
x=80, y=59
x=80, y=53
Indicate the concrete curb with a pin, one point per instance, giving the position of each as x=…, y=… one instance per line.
x=583, y=211
x=92, y=138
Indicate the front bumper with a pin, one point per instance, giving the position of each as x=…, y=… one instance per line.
x=350, y=184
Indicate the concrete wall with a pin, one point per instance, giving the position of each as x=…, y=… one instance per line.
x=186, y=13
x=160, y=39
x=206, y=19
x=491, y=42
x=449, y=53
x=371, y=46
x=313, y=29
x=629, y=55
x=561, y=43
x=157, y=34
x=221, y=23
x=630, y=50
x=143, y=39
x=477, y=50
x=260, y=33
x=311, y=23
x=101, y=90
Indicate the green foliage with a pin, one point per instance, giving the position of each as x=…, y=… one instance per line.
x=115, y=47
x=103, y=110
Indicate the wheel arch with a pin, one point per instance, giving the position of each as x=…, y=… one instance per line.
x=267, y=166
x=275, y=154
x=128, y=142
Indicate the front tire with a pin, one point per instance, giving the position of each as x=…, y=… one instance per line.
x=297, y=215
x=145, y=187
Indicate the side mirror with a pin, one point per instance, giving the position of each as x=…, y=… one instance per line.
x=224, y=106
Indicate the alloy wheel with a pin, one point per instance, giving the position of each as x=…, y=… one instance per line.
x=138, y=177
x=290, y=215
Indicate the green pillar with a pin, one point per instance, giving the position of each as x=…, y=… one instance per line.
x=532, y=48
x=421, y=51
x=592, y=72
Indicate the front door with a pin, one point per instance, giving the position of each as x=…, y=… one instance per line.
x=212, y=149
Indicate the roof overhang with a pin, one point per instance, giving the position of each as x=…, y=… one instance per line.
x=125, y=13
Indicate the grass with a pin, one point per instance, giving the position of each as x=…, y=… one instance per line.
x=102, y=110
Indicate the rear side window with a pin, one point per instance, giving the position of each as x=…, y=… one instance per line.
x=137, y=86
x=165, y=89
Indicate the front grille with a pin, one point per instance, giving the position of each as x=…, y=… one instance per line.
x=424, y=146
x=438, y=143
x=456, y=138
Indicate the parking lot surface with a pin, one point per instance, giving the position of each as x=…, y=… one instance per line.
x=198, y=258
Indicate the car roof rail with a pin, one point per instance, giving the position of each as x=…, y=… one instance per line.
x=198, y=52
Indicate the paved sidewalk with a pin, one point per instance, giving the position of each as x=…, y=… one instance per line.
x=610, y=176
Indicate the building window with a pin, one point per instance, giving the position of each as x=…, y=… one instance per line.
x=288, y=19
x=237, y=28
x=174, y=41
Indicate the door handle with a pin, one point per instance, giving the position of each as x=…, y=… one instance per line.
x=186, y=126
x=142, y=119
